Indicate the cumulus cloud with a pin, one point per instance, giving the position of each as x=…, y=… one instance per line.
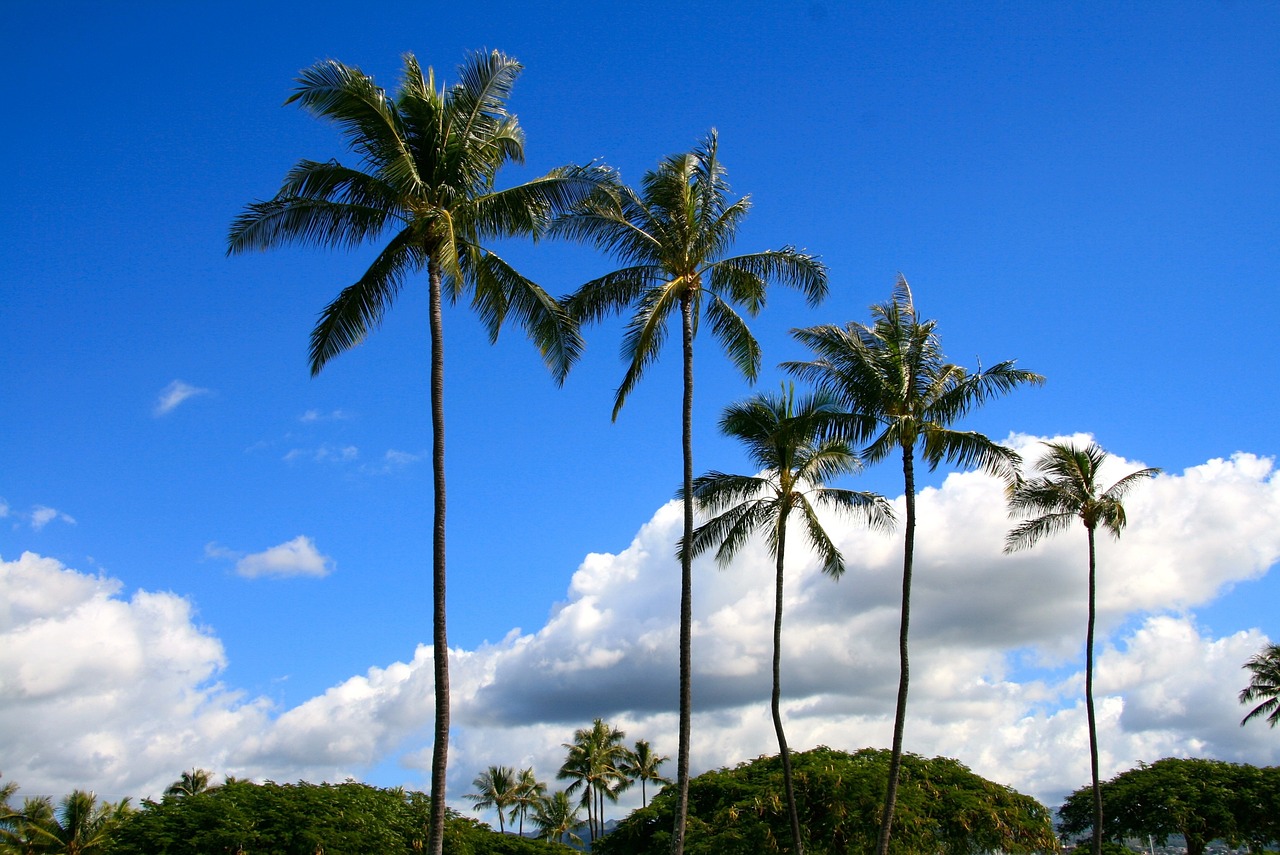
x=297, y=557
x=996, y=666
x=173, y=395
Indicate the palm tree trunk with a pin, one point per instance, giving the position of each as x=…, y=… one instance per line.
x=776, y=700
x=1088, y=701
x=439, y=640
x=686, y=585
x=904, y=672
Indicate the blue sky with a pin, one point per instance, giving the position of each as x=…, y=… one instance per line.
x=1089, y=188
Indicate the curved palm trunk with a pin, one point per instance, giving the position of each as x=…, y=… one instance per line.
x=783, y=751
x=439, y=638
x=1088, y=701
x=686, y=585
x=904, y=673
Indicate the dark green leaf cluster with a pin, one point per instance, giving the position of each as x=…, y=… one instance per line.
x=1201, y=800
x=942, y=807
x=302, y=819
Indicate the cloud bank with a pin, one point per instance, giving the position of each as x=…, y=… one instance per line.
x=121, y=694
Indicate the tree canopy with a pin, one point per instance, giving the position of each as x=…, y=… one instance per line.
x=302, y=819
x=942, y=807
x=1202, y=800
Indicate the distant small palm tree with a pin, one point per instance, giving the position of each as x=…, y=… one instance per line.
x=495, y=788
x=529, y=791
x=1067, y=490
x=791, y=444
x=191, y=783
x=556, y=818
x=594, y=763
x=642, y=764
x=1264, y=683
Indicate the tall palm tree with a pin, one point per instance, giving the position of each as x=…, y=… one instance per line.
x=790, y=443
x=191, y=783
x=594, y=764
x=1264, y=683
x=556, y=818
x=901, y=394
x=528, y=792
x=673, y=238
x=1064, y=490
x=426, y=185
x=495, y=788
x=643, y=764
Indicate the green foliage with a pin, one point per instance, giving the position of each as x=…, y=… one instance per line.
x=1202, y=800
x=942, y=807
x=1264, y=685
x=79, y=825
x=302, y=819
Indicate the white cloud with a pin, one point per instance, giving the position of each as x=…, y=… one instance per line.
x=297, y=557
x=312, y=416
x=42, y=516
x=174, y=394
x=996, y=661
x=324, y=453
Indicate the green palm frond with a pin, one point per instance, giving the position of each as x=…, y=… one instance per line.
x=1264, y=683
x=500, y=290
x=346, y=321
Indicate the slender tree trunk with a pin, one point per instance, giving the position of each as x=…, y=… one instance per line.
x=904, y=672
x=1088, y=700
x=686, y=585
x=440, y=640
x=776, y=700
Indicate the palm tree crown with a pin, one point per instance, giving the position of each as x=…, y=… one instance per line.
x=901, y=394
x=1066, y=489
x=1264, y=683
x=429, y=160
x=643, y=764
x=426, y=185
x=673, y=238
x=496, y=787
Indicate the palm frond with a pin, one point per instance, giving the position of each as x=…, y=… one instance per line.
x=498, y=290
x=347, y=320
x=293, y=220
x=347, y=96
x=735, y=337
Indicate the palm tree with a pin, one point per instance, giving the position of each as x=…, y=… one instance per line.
x=642, y=764
x=528, y=792
x=1264, y=682
x=1067, y=489
x=495, y=788
x=556, y=817
x=594, y=763
x=191, y=783
x=790, y=444
x=81, y=825
x=673, y=239
x=429, y=158
x=900, y=393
